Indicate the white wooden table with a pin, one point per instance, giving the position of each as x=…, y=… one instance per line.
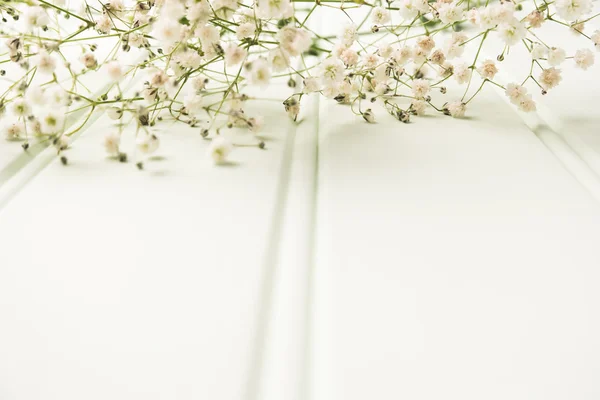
x=347, y=261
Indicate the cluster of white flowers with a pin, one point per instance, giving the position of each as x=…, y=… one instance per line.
x=202, y=61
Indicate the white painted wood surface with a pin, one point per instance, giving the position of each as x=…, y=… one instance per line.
x=455, y=260
x=116, y=283
x=441, y=259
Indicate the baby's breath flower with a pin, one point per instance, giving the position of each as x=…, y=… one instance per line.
x=488, y=69
x=556, y=56
x=584, y=58
x=219, y=149
x=571, y=10
x=147, y=144
x=112, y=141
x=380, y=16
x=420, y=88
x=245, y=30
x=15, y=131
x=550, y=77
x=456, y=108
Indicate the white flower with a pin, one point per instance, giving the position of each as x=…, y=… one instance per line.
x=311, y=84
x=199, y=83
x=369, y=116
x=420, y=88
x=167, y=32
x=550, y=77
x=385, y=50
x=453, y=46
x=538, y=51
x=234, y=54
x=515, y=92
x=20, y=108
x=419, y=55
x=512, y=32
x=52, y=121
x=274, y=8
x=450, y=13
x=349, y=57
x=380, y=16
x=370, y=61
x=571, y=10
x=402, y=55
x=57, y=96
x=35, y=17
x=208, y=35
x=245, y=30
x=259, y=72
x=488, y=69
x=35, y=95
x=456, y=108
x=199, y=12
x=348, y=35
x=113, y=71
x=535, y=19
x=596, y=39
x=409, y=9
x=112, y=141
x=294, y=41
x=147, y=144
x=332, y=71
x=89, y=60
x=556, y=56
x=114, y=113
x=419, y=106
x=426, y=43
x=104, y=24
x=219, y=149
x=462, y=73
x=14, y=131
x=193, y=103
x=279, y=60
x=526, y=103
x=45, y=62
x=584, y=58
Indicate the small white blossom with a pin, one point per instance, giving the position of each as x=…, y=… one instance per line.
x=311, y=84
x=259, y=72
x=245, y=30
x=112, y=141
x=234, y=54
x=462, y=73
x=193, y=103
x=556, y=56
x=512, y=32
x=14, y=131
x=538, y=51
x=219, y=149
x=457, y=108
x=46, y=63
x=419, y=106
x=571, y=10
x=114, y=113
x=488, y=69
x=21, y=108
x=380, y=16
x=114, y=71
x=348, y=35
x=52, y=121
x=584, y=58
x=420, y=88
x=450, y=13
x=550, y=77
x=147, y=144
